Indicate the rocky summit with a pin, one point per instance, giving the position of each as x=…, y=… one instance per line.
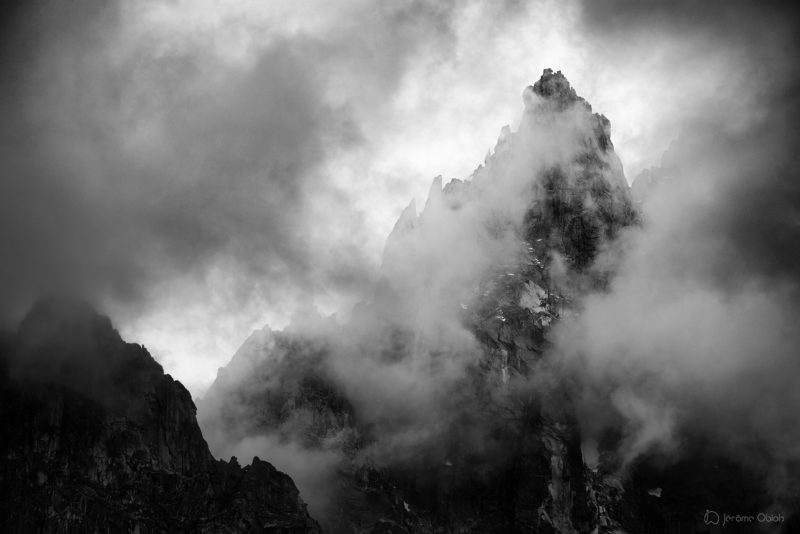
x=96, y=438
x=469, y=290
x=432, y=405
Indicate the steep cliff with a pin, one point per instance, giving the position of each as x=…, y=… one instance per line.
x=96, y=438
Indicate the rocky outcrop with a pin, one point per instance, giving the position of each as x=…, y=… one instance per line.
x=96, y=438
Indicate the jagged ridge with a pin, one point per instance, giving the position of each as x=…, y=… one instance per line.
x=98, y=439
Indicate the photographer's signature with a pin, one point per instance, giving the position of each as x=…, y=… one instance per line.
x=712, y=517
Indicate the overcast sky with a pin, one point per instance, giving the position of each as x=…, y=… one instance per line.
x=203, y=168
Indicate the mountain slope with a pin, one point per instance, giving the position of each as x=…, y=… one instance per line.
x=98, y=439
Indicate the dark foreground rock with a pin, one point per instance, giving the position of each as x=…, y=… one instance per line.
x=96, y=438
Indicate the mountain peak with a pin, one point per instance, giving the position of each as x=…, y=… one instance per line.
x=551, y=87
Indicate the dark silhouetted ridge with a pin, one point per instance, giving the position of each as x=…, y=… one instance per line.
x=96, y=438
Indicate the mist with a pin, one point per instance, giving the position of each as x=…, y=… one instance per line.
x=696, y=335
x=693, y=337
x=203, y=171
x=146, y=166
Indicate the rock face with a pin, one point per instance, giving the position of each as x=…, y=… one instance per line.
x=96, y=438
x=471, y=287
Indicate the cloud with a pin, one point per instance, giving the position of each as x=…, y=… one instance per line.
x=174, y=158
x=135, y=165
x=205, y=167
x=695, y=336
x=202, y=167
